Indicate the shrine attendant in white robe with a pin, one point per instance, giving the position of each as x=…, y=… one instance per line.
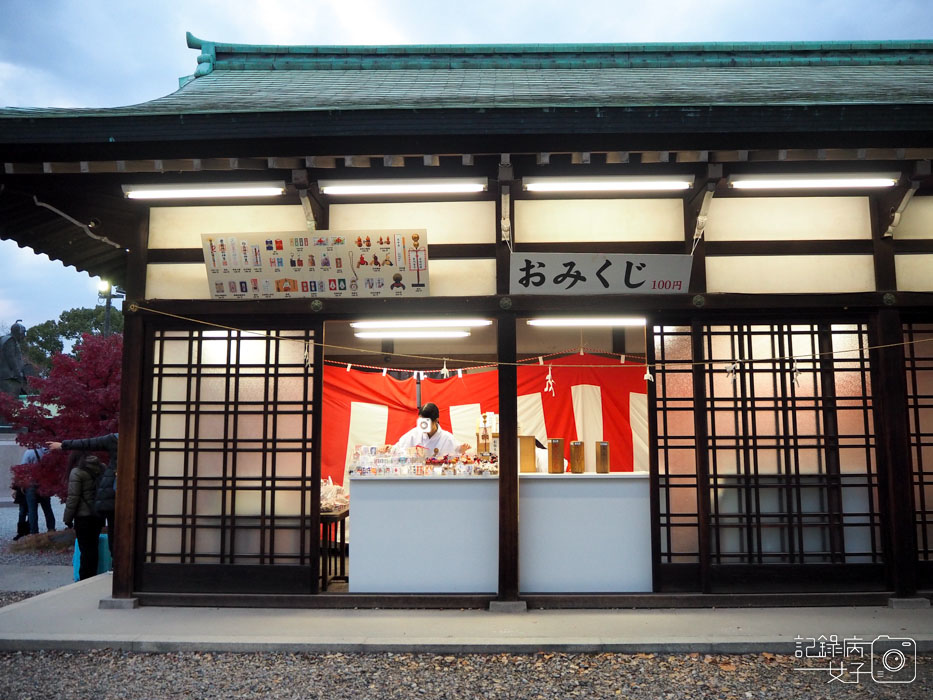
x=436, y=441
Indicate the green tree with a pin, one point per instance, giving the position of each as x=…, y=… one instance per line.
x=50, y=337
x=42, y=341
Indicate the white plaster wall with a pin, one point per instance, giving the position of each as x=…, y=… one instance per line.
x=788, y=218
x=462, y=278
x=177, y=281
x=917, y=220
x=446, y=222
x=914, y=272
x=790, y=274
x=563, y=221
x=181, y=227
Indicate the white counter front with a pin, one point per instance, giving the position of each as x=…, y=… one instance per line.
x=424, y=534
x=584, y=533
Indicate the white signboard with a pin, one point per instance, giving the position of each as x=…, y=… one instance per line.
x=596, y=273
x=302, y=264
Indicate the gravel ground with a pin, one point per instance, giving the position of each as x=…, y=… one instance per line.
x=10, y=597
x=8, y=517
x=102, y=675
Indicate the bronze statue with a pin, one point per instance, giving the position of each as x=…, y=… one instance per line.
x=12, y=374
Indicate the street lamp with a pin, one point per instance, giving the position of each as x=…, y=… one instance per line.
x=108, y=292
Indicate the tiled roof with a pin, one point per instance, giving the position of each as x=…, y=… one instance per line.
x=241, y=78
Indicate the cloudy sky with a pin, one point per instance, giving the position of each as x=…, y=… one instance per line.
x=97, y=53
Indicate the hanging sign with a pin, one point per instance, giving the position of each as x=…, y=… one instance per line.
x=595, y=273
x=300, y=264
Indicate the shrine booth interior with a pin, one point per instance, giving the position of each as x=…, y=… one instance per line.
x=711, y=310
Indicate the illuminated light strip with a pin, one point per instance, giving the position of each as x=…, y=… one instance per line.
x=578, y=322
x=211, y=191
x=799, y=182
x=435, y=186
x=422, y=323
x=599, y=184
x=412, y=334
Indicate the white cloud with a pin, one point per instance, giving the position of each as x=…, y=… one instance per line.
x=37, y=289
x=25, y=86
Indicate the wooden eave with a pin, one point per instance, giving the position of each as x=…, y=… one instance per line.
x=463, y=130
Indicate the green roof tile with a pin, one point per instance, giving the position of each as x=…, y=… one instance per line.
x=245, y=78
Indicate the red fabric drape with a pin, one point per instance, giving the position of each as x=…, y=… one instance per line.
x=616, y=382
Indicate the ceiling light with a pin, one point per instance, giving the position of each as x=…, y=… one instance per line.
x=205, y=191
x=413, y=334
x=813, y=181
x=579, y=322
x=422, y=323
x=451, y=185
x=608, y=184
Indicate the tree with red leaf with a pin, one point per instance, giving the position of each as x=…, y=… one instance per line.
x=79, y=398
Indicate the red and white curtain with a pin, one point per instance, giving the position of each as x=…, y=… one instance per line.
x=594, y=399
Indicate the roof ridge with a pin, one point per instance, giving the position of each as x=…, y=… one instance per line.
x=226, y=56
x=533, y=48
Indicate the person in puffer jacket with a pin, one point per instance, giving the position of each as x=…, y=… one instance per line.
x=79, y=509
x=105, y=499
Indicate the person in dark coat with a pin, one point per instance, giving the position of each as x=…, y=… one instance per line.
x=106, y=497
x=79, y=510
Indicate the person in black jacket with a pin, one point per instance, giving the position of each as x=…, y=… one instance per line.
x=79, y=510
x=22, y=524
x=106, y=496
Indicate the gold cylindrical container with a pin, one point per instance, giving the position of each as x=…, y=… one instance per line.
x=577, y=462
x=555, y=456
x=602, y=457
x=526, y=453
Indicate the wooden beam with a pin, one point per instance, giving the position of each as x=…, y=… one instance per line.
x=61, y=168
x=692, y=209
x=189, y=165
x=357, y=161
x=285, y=163
x=883, y=247
x=691, y=157
x=22, y=168
x=324, y=162
x=655, y=157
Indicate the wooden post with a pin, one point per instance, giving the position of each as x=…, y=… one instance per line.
x=129, y=466
x=508, y=460
x=895, y=472
x=317, y=393
x=701, y=433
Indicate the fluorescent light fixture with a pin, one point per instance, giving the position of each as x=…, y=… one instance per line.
x=581, y=322
x=452, y=185
x=422, y=323
x=814, y=181
x=648, y=183
x=413, y=334
x=210, y=190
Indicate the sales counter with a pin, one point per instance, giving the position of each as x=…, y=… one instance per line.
x=584, y=533
x=425, y=534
